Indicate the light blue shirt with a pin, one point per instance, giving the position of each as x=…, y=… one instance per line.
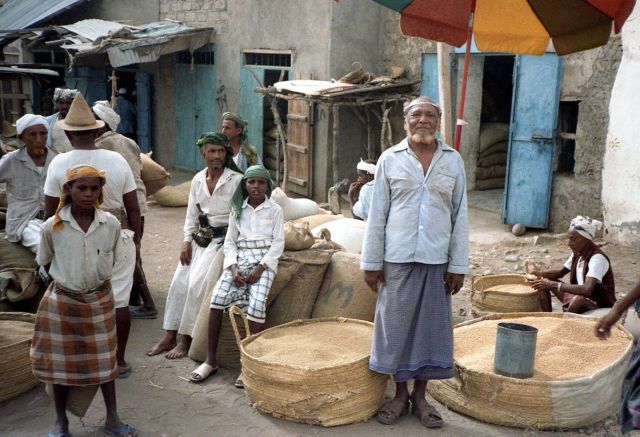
x=51, y=122
x=128, y=115
x=416, y=217
x=361, y=207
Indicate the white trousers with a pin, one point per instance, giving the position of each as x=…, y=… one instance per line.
x=122, y=277
x=30, y=237
x=190, y=285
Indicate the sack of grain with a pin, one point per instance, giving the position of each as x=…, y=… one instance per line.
x=345, y=231
x=297, y=236
x=502, y=294
x=271, y=152
x=16, y=330
x=495, y=171
x=577, y=377
x=152, y=174
x=294, y=208
x=228, y=354
x=491, y=133
x=344, y=292
x=499, y=158
x=18, y=277
x=499, y=147
x=318, y=219
x=489, y=184
x=173, y=195
x=313, y=371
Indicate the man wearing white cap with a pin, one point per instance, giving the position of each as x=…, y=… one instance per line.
x=128, y=115
x=591, y=283
x=120, y=200
x=56, y=139
x=361, y=191
x=24, y=171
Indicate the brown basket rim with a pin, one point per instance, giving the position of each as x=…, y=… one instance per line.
x=298, y=322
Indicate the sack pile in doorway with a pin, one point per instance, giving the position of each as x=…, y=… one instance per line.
x=492, y=156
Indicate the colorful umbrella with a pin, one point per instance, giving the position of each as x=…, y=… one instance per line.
x=513, y=26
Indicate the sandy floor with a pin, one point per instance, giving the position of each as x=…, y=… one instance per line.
x=158, y=400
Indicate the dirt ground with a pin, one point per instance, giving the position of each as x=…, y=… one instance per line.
x=158, y=400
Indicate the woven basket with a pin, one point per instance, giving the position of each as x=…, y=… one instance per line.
x=534, y=403
x=15, y=363
x=485, y=301
x=327, y=396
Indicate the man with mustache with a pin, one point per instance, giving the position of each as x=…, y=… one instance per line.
x=415, y=255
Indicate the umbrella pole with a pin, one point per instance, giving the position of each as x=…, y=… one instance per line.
x=465, y=74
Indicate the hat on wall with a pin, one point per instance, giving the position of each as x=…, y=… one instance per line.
x=80, y=117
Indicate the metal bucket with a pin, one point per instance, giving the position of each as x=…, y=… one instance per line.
x=515, y=350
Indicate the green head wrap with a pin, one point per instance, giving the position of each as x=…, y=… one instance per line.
x=241, y=193
x=219, y=139
x=240, y=122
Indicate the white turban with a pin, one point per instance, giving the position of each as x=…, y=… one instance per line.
x=64, y=93
x=365, y=166
x=585, y=226
x=103, y=110
x=122, y=91
x=28, y=120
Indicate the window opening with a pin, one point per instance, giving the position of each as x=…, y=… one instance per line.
x=566, y=138
x=267, y=59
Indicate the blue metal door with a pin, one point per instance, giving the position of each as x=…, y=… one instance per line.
x=90, y=81
x=429, y=79
x=251, y=108
x=195, y=105
x=143, y=105
x=536, y=93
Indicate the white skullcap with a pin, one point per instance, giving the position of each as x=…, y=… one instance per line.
x=122, y=91
x=28, y=120
x=103, y=110
x=365, y=166
x=585, y=226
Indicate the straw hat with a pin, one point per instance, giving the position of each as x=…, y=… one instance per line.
x=8, y=130
x=80, y=117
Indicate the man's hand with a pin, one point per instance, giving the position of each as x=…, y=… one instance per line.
x=238, y=278
x=453, y=282
x=185, y=253
x=603, y=327
x=374, y=279
x=254, y=274
x=354, y=191
x=137, y=251
x=542, y=284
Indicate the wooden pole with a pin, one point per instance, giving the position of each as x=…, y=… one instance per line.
x=370, y=152
x=465, y=74
x=336, y=128
x=283, y=138
x=444, y=90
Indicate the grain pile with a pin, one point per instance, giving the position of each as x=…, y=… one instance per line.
x=566, y=348
x=512, y=288
x=502, y=294
x=308, y=345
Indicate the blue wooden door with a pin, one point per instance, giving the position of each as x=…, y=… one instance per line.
x=251, y=108
x=536, y=93
x=429, y=79
x=143, y=105
x=90, y=81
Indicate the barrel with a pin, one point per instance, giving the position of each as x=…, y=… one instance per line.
x=515, y=350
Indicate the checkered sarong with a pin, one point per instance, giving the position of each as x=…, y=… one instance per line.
x=251, y=298
x=74, y=338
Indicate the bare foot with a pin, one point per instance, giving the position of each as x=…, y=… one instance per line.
x=162, y=346
x=179, y=351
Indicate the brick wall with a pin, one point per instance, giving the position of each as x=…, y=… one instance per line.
x=197, y=13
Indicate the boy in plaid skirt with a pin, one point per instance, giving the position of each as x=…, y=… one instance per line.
x=74, y=340
x=252, y=246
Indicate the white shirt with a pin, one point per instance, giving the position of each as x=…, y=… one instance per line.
x=216, y=205
x=119, y=177
x=598, y=267
x=265, y=222
x=80, y=261
x=361, y=207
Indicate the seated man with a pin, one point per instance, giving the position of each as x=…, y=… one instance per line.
x=24, y=171
x=361, y=191
x=591, y=283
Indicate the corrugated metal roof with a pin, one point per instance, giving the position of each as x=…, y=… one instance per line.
x=21, y=14
x=93, y=29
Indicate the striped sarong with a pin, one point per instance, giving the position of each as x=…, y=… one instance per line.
x=74, y=338
x=251, y=298
x=413, y=329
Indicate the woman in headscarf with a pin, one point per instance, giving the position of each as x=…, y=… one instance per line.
x=254, y=242
x=591, y=284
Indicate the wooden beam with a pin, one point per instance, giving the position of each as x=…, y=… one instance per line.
x=335, y=152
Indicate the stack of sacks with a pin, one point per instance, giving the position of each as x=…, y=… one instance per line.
x=492, y=156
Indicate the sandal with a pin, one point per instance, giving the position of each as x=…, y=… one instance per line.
x=239, y=384
x=124, y=371
x=141, y=312
x=125, y=431
x=387, y=416
x=202, y=372
x=429, y=416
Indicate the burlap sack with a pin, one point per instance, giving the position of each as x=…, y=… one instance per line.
x=3, y=199
x=18, y=278
x=297, y=236
x=495, y=171
x=153, y=174
x=489, y=184
x=174, y=195
x=318, y=219
x=499, y=158
x=491, y=133
x=344, y=292
x=228, y=354
x=500, y=146
x=3, y=220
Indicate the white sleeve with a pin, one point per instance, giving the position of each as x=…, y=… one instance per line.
x=129, y=181
x=270, y=259
x=567, y=263
x=230, y=247
x=598, y=267
x=191, y=218
x=53, y=184
x=45, y=249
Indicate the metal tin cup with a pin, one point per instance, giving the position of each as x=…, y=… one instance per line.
x=515, y=350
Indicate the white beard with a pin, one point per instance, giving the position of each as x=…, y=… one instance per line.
x=422, y=137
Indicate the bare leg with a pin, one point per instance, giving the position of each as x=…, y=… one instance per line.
x=140, y=285
x=167, y=343
x=579, y=305
x=392, y=410
x=427, y=413
x=181, y=349
x=544, y=300
x=60, y=393
x=215, y=322
x=112, y=421
x=123, y=326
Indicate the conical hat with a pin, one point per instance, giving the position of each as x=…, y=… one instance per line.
x=80, y=116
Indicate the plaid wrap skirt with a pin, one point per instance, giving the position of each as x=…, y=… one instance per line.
x=74, y=338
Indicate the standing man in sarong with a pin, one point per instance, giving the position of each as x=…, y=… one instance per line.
x=235, y=128
x=120, y=200
x=205, y=227
x=57, y=140
x=415, y=255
